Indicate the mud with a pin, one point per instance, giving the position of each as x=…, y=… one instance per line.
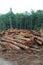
x=21, y=58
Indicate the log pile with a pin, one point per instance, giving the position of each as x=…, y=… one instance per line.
x=14, y=39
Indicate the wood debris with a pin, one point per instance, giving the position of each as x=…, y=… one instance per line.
x=14, y=39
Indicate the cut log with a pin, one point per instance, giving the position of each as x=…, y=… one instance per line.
x=39, y=42
x=39, y=38
x=9, y=46
x=36, y=33
x=22, y=46
x=15, y=47
x=5, y=40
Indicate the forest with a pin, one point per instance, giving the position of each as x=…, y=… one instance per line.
x=26, y=20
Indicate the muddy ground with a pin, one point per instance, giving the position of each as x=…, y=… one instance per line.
x=22, y=57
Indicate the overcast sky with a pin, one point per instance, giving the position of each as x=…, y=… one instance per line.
x=19, y=6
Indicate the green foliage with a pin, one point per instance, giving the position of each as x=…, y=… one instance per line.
x=30, y=21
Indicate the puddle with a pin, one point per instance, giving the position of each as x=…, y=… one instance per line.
x=4, y=62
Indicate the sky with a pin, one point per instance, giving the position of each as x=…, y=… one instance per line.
x=19, y=6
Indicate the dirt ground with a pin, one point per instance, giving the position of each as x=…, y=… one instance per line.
x=23, y=58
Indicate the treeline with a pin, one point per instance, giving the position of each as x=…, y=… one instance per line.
x=32, y=20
